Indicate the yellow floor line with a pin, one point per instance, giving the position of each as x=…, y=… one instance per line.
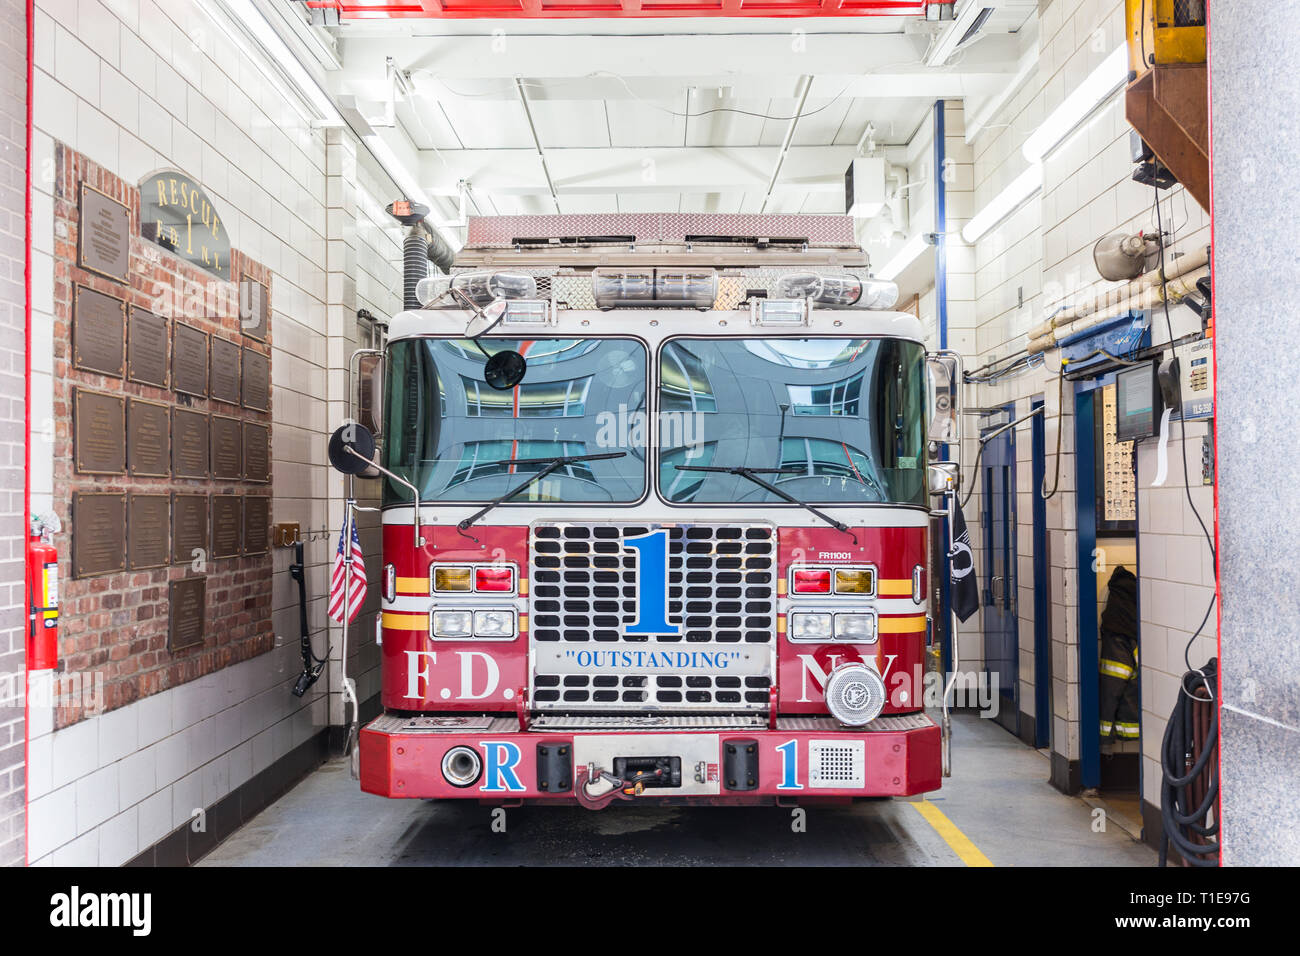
x=960, y=843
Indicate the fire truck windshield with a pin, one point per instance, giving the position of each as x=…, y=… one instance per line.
x=826, y=420
x=459, y=440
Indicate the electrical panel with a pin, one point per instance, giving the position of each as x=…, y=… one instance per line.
x=1196, y=379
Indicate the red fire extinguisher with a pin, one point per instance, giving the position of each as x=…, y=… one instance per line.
x=42, y=596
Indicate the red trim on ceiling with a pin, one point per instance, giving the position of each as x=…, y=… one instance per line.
x=598, y=9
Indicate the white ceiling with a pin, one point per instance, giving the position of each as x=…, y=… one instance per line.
x=658, y=115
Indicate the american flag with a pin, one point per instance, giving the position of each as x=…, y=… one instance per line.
x=354, y=573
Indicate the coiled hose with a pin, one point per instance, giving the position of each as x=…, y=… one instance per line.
x=1190, y=769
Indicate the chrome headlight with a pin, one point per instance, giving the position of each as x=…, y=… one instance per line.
x=855, y=694
x=811, y=626
x=492, y=624
x=452, y=624
x=860, y=628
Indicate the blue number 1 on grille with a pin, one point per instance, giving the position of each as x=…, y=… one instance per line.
x=652, y=584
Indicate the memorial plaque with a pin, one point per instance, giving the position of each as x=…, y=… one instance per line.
x=148, y=439
x=98, y=534
x=257, y=452
x=257, y=380
x=148, y=531
x=98, y=433
x=227, y=523
x=225, y=371
x=190, y=444
x=227, y=459
x=98, y=332
x=257, y=523
x=187, y=602
x=189, y=360
x=254, y=308
x=146, y=348
x=189, y=528
x=104, y=235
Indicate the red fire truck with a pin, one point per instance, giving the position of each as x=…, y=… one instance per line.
x=657, y=499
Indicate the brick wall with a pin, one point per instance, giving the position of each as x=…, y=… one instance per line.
x=136, y=86
x=116, y=625
x=13, y=162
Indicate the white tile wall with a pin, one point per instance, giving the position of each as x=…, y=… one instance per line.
x=1040, y=253
x=138, y=85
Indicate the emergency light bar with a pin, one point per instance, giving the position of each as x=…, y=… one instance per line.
x=837, y=292
x=654, y=288
x=483, y=288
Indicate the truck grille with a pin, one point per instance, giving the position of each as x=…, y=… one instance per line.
x=583, y=594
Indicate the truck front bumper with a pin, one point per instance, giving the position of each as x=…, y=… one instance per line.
x=707, y=760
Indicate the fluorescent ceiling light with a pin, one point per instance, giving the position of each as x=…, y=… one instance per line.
x=278, y=50
x=1087, y=96
x=1004, y=203
x=905, y=256
x=964, y=27
x=284, y=58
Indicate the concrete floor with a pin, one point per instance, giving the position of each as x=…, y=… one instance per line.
x=998, y=797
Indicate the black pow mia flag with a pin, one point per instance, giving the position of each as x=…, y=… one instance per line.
x=965, y=590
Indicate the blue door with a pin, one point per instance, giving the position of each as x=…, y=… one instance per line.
x=1001, y=645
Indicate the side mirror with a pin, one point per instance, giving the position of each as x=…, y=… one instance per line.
x=943, y=477
x=352, y=448
x=370, y=393
x=485, y=318
x=944, y=395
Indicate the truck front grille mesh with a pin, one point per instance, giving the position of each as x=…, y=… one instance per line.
x=721, y=590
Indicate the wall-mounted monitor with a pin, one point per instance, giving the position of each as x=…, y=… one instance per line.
x=1137, y=403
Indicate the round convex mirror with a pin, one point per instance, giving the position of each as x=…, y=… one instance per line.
x=504, y=370
x=347, y=439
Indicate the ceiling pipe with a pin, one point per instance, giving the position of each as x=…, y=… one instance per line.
x=785, y=144
x=541, y=153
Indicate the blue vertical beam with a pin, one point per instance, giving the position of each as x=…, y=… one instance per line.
x=1042, y=606
x=1086, y=495
x=941, y=312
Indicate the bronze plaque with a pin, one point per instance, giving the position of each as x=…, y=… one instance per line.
x=98, y=433
x=225, y=371
x=98, y=533
x=98, y=332
x=257, y=523
x=104, y=235
x=189, y=529
x=190, y=360
x=257, y=380
x=148, y=439
x=227, y=461
x=148, y=531
x=227, y=523
x=254, y=308
x=190, y=444
x=187, y=602
x=257, y=452
x=146, y=348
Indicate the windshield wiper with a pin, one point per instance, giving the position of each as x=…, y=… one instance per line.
x=752, y=474
x=559, y=461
